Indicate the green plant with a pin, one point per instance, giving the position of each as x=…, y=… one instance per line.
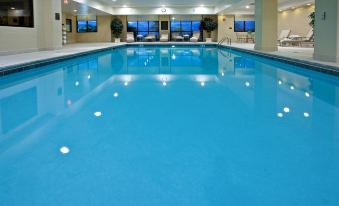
x=117, y=27
x=312, y=18
x=209, y=24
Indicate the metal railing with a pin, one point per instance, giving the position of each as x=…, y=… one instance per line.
x=227, y=39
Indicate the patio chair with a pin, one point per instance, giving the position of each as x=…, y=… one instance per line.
x=177, y=37
x=300, y=41
x=130, y=37
x=284, y=34
x=164, y=38
x=195, y=37
x=150, y=37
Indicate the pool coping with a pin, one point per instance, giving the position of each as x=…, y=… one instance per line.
x=323, y=68
x=306, y=64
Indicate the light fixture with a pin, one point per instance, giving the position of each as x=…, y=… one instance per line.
x=124, y=6
x=163, y=10
x=12, y=8
x=97, y=114
x=286, y=109
x=64, y=150
x=247, y=7
x=75, y=10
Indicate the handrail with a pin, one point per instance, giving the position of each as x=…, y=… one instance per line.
x=229, y=41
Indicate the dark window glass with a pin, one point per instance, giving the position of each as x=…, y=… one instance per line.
x=142, y=26
x=196, y=25
x=132, y=26
x=86, y=26
x=184, y=28
x=164, y=25
x=16, y=13
x=250, y=26
x=82, y=26
x=239, y=26
x=69, y=25
x=153, y=26
x=175, y=26
x=92, y=26
x=186, y=25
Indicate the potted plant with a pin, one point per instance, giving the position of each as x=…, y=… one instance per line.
x=116, y=27
x=209, y=24
x=312, y=18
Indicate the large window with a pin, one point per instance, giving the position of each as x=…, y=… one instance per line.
x=185, y=27
x=87, y=24
x=244, y=26
x=16, y=13
x=144, y=28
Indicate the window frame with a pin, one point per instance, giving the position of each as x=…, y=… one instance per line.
x=31, y=18
x=148, y=30
x=87, y=31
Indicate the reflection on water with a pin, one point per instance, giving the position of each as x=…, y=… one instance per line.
x=249, y=121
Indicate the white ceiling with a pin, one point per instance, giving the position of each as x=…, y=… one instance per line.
x=104, y=7
x=159, y=3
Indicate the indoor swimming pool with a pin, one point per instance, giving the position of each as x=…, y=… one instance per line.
x=169, y=125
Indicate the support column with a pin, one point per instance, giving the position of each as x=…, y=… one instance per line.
x=49, y=29
x=266, y=20
x=326, y=30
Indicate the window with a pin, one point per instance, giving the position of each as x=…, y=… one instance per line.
x=244, y=26
x=16, y=13
x=184, y=27
x=164, y=25
x=87, y=24
x=68, y=25
x=144, y=28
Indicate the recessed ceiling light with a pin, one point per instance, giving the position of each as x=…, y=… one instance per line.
x=64, y=150
x=247, y=7
x=308, y=4
x=124, y=6
x=75, y=10
x=114, y=0
x=12, y=8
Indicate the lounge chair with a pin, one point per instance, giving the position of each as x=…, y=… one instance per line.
x=150, y=37
x=177, y=37
x=164, y=38
x=195, y=37
x=130, y=37
x=300, y=41
x=284, y=34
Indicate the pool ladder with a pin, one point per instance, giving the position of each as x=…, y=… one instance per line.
x=227, y=39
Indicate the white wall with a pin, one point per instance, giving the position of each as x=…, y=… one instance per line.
x=46, y=34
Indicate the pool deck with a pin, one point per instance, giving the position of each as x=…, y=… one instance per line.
x=13, y=60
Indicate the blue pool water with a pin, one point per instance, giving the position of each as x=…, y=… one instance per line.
x=169, y=126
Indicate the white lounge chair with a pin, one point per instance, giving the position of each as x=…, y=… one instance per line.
x=177, y=37
x=298, y=40
x=284, y=34
x=150, y=37
x=164, y=38
x=130, y=37
x=195, y=37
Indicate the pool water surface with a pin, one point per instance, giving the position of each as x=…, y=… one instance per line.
x=163, y=125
